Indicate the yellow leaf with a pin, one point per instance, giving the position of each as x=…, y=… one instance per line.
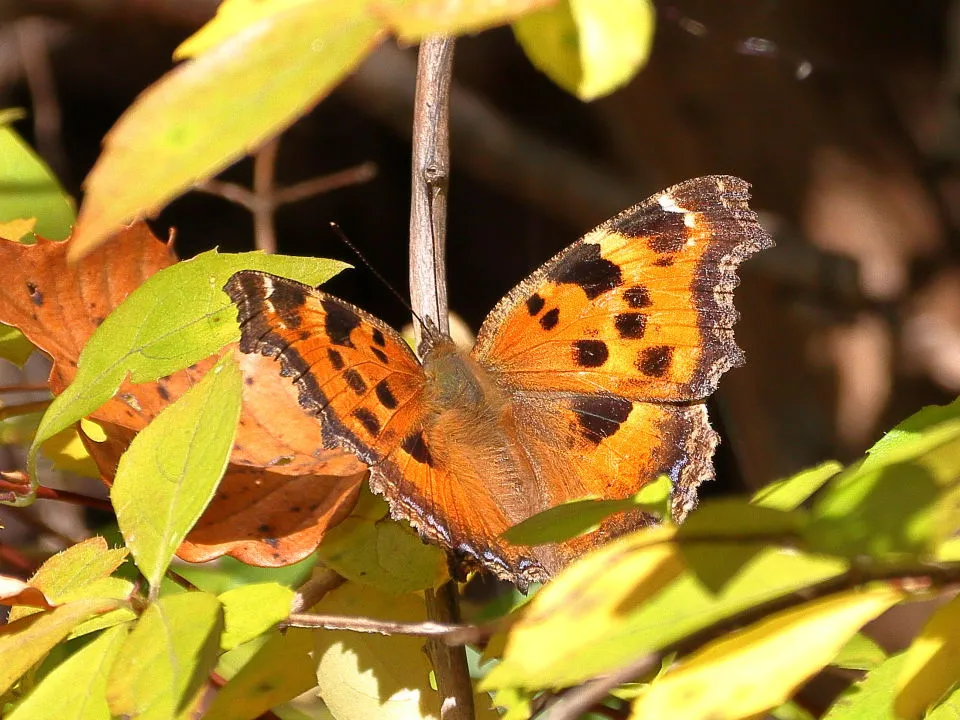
x=415, y=19
x=588, y=47
x=232, y=17
x=67, y=452
x=760, y=667
x=16, y=229
x=932, y=664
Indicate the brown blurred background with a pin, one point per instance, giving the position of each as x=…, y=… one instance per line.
x=844, y=116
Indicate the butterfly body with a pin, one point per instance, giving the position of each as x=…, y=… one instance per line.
x=587, y=380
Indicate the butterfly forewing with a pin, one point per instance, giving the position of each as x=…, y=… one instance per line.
x=642, y=306
x=352, y=370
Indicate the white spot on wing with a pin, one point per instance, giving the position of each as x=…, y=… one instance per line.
x=669, y=204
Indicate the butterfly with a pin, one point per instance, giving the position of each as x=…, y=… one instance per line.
x=589, y=379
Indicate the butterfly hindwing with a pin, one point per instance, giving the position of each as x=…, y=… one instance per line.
x=352, y=370
x=642, y=306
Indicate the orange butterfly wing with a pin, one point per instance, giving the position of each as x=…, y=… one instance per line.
x=352, y=370
x=642, y=306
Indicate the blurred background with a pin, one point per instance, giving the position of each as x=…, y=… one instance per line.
x=844, y=117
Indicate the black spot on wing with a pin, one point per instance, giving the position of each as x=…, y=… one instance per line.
x=630, y=325
x=416, y=447
x=583, y=266
x=590, y=353
x=600, y=417
x=380, y=355
x=535, y=304
x=339, y=322
x=355, y=381
x=368, y=420
x=664, y=230
x=550, y=319
x=336, y=359
x=287, y=299
x=378, y=338
x=655, y=361
x=385, y=395
x=664, y=261
x=637, y=296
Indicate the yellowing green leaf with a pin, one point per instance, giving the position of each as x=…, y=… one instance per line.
x=67, y=574
x=280, y=670
x=76, y=689
x=932, y=664
x=169, y=473
x=14, y=346
x=212, y=110
x=372, y=550
x=252, y=610
x=577, y=517
x=601, y=613
x=415, y=19
x=758, y=668
x=166, y=657
x=947, y=709
x=588, y=47
x=29, y=189
x=792, y=492
x=364, y=675
x=27, y=641
x=179, y=316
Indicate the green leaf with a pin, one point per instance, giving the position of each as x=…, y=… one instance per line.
x=179, y=316
x=591, y=621
x=894, y=505
x=76, y=689
x=280, y=670
x=228, y=573
x=578, y=517
x=860, y=653
x=252, y=610
x=167, y=657
x=735, y=518
x=68, y=575
x=370, y=549
x=170, y=472
x=588, y=47
x=26, y=642
x=13, y=345
x=947, y=709
x=28, y=188
x=872, y=697
x=268, y=74
x=792, y=492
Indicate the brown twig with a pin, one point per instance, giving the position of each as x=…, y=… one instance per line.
x=428, y=296
x=322, y=581
x=356, y=623
x=26, y=408
x=264, y=176
x=16, y=482
x=25, y=387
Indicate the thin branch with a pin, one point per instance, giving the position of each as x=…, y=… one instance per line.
x=25, y=387
x=35, y=57
x=322, y=581
x=16, y=482
x=355, y=623
x=9, y=411
x=428, y=297
x=364, y=172
x=264, y=176
x=431, y=173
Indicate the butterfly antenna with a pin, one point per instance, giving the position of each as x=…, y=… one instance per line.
x=346, y=241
